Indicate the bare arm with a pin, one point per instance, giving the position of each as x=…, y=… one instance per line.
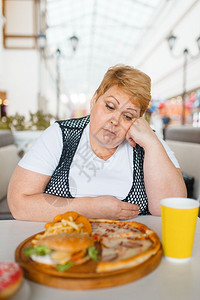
x=162, y=179
x=28, y=202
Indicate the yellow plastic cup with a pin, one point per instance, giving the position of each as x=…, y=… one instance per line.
x=179, y=217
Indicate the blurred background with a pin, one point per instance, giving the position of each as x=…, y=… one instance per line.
x=54, y=53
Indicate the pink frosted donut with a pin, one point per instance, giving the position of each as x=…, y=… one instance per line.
x=10, y=278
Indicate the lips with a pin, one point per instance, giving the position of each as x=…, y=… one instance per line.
x=109, y=132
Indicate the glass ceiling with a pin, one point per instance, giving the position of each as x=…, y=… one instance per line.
x=107, y=30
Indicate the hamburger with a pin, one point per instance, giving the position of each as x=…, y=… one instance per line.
x=63, y=250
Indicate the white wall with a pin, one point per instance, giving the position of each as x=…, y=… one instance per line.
x=28, y=83
x=20, y=80
x=1, y=48
x=153, y=56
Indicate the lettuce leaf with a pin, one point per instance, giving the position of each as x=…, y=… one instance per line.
x=37, y=250
x=93, y=253
x=65, y=267
x=29, y=251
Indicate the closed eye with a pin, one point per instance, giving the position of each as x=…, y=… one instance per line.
x=109, y=107
x=128, y=118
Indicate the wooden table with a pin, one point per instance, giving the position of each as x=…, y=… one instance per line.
x=169, y=281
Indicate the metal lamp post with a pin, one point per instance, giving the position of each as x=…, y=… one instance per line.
x=42, y=45
x=58, y=54
x=41, y=39
x=171, y=42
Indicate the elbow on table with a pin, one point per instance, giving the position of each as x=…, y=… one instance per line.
x=15, y=206
x=179, y=192
x=184, y=192
x=15, y=215
x=15, y=211
x=155, y=210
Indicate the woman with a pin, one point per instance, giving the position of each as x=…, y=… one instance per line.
x=89, y=164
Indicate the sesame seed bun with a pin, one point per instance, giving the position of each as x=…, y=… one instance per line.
x=69, y=242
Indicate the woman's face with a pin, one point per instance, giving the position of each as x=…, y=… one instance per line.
x=111, y=116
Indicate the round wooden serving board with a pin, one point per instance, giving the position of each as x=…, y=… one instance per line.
x=81, y=277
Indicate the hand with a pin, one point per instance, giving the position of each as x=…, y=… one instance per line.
x=141, y=133
x=109, y=207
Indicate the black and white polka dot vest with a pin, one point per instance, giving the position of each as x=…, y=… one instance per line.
x=59, y=183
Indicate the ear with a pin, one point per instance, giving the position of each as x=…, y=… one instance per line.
x=93, y=100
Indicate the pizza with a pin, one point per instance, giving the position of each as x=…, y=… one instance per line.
x=123, y=244
x=72, y=239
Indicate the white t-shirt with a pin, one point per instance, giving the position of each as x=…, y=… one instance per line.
x=89, y=175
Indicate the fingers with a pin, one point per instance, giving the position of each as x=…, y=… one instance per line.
x=126, y=215
x=132, y=142
x=128, y=211
x=112, y=208
x=129, y=206
x=129, y=135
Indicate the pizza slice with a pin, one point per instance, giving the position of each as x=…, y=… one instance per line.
x=124, y=244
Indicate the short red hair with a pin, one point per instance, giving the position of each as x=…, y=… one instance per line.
x=132, y=81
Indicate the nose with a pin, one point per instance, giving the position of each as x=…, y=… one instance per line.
x=115, y=119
